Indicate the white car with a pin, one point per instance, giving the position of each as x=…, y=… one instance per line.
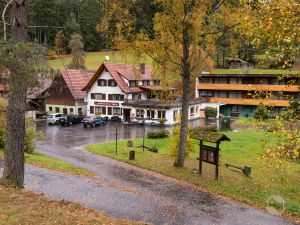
x=54, y=118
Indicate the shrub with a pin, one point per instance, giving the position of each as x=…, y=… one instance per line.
x=158, y=134
x=31, y=135
x=175, y=142
x=261, y=112
x=162, y=121
x=210, y=112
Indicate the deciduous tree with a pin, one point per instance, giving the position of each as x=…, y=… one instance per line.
x=182, y=30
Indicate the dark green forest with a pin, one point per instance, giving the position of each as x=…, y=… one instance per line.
x=48, y=17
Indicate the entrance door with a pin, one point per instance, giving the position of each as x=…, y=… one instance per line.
x=126, y=113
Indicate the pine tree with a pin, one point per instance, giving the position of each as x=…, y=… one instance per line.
x=77, y=52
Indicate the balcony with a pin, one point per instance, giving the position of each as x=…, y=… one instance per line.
x=249, y=87
x=242, y=101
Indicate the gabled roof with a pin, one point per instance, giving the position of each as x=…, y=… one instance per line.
x=120, y=71
x=76, y=80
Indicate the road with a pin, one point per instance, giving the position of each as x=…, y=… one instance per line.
x=124, y=191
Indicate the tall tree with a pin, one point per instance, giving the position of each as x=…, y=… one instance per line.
x=182, y=36
x=14, y=146
x=77, y=52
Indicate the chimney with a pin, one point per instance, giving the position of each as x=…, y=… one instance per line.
x=143, y=68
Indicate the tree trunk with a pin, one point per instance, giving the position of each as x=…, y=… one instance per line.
x=186, y=96
x=15, y=131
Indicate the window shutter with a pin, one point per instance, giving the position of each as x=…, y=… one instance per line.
x=92, y=96
x=109, y=83
x=122, y=97
x=109, y=97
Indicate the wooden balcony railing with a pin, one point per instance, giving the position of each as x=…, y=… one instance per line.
x=242, y=101
x=249, y=87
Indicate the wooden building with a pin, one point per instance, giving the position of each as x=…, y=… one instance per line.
x=66, y=95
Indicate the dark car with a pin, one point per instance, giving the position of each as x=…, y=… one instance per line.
x=70, y=120
x=92, y=121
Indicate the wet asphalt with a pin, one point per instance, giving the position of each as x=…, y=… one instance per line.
x=123, y=191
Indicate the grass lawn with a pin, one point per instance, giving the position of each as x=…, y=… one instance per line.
x=95, y=59
x=244, y=149
x=40, y=160
x=22, y=207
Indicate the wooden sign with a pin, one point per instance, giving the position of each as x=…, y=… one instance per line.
x=209, y=155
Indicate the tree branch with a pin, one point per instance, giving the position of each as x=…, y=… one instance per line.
x=3, y=19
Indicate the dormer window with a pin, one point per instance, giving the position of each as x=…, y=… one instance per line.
x=132, y=83
x=146, y=82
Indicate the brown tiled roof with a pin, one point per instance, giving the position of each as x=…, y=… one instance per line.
x=77, y=80
x=119, y=72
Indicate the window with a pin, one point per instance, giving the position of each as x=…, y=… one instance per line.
x=150, y=114
x=50, y=109
x=205, y=93
x=71, y=110
x=112, y=83
x=132, y=83
x=65, y=111
x=117, y=111
x=98, y=96
x=100, y=110
x=57, y=109
x=92, y=109
x=140, y=113
x=146, y=82
x=79, y=111
x=156, y=82
x=175, y=115
x=237, y=108
x=235, y=94
x=109, y=111
x=161, y=114
x=233, y=80
x=116, y=97
x=192, y=110
x=102, y=83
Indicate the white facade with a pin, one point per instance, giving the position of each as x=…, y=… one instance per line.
x=100, y=102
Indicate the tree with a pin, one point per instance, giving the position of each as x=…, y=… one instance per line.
x=14, y=146
x=272, y=27
x=21, y=60
x=77, y=52
x=71, y=27
x=59, y=39
x=182, y=36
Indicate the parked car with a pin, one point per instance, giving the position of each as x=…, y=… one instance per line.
x=92, y=121
x=105, y=118
x=54, y=118
x=70, y=120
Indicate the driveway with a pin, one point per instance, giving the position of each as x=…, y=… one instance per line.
x=124, y=191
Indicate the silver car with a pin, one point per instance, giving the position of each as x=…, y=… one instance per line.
x=54, y=118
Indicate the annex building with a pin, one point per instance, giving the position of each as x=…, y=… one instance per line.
x=238, y=95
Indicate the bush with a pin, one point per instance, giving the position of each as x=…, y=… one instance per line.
x=158, y=134
x=210, y=112
x=31, y=135
x=175, y=142
x=162, y=121
x=261, y=112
